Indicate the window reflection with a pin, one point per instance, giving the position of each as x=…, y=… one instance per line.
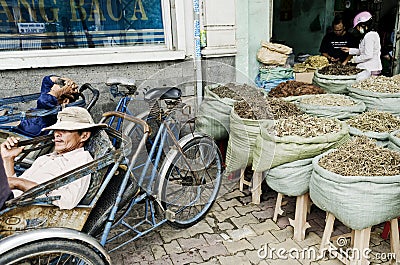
x=55, y=24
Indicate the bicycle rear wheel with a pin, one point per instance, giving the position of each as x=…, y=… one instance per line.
x=52, y=251
x=192, y=181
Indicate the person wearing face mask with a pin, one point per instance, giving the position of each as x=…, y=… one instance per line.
x=368, y=55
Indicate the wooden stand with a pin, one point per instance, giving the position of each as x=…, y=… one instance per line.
x=360, y=242
x=255, y=185
x=299, y=223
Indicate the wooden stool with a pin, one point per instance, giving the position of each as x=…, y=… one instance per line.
x=359, y=241
x=255, y=185
x=386, y=230
x=299, y=223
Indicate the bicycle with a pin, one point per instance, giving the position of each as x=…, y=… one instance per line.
x=137, y=189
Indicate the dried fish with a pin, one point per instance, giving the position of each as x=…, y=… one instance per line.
x=375, y=121
x=381, y=84
x=328, y=100
x=362, y=157
x=306, y=126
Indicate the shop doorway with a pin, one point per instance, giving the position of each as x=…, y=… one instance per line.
x=301, y=25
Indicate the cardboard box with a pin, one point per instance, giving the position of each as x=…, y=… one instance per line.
x=306, y=77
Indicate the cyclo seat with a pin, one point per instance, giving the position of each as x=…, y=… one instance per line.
x=163, y=93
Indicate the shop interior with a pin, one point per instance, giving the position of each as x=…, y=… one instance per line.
x=301, y=25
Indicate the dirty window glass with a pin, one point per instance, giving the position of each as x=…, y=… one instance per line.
x=56, y=24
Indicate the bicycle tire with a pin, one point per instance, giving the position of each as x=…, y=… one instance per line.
x=52, y=251
x=179, y=183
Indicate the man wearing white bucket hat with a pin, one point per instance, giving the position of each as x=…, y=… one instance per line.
x=71, y=131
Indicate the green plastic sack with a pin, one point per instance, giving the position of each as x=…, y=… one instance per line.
x=271, y=151
x=394, y=141
x=388, y=102
x=357, y=201
x=242, y=138
x=213, y=115
x=291, y=179
x=268, y=74
x=338, y=112
x=334, y=83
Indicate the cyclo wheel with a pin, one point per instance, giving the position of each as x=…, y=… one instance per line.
x=192, y=180
x=97, y=219
x=52, y=251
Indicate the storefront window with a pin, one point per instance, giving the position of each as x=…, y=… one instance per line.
x=56, y=24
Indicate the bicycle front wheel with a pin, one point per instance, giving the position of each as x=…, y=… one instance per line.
x=192, y=181
x=52, y=251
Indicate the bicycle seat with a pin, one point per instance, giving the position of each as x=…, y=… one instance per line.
x=163, y=93
x=120, y=81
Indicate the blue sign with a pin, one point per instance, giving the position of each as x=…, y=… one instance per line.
x=83, y=23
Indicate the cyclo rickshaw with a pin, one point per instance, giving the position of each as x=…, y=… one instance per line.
x=142, y=177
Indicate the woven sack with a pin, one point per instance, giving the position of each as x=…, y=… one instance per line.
x=242, y=138
x=382, y=138
x=338, y=112
x=394, y=141
x=266, y=56
x=291, y=179
x=357, y=201
x=271, y=151
x=213, y=114
x=377, y=101
x=269, y=74
x=334, y=83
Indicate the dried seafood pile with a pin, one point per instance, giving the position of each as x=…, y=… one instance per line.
x=362, y=157
x=381, y=84
x=306, y=126
x=328, y=100
x=375, y=121
x=294, y=88
x=312, y=62
x=236, y=91
x=260, y=108
x=339, y=69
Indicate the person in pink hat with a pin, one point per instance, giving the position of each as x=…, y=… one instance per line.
x=368, y=54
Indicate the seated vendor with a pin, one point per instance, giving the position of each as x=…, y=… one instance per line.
x=333, y=42
x=71, y=131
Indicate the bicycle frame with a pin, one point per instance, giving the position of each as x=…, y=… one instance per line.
x=149, y=196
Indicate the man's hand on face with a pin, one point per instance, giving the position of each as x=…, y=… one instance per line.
x=70, y=86
x=9, y=148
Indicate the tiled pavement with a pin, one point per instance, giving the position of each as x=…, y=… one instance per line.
x=234, y=231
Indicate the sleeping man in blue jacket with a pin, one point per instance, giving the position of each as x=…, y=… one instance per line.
x=55, y=90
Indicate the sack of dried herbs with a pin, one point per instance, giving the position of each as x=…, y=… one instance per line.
x=378, y=93
x=296, y=138
x=336, y=106
x=394, y=141
x=291, y=179
x=247, y=117
x=334, y=81
x=374, y=124
x=358, y=183
x=213, y=114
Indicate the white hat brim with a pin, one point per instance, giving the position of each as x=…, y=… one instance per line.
x=73, y=126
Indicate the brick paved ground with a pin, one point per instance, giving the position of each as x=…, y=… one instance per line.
x=233, y=232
